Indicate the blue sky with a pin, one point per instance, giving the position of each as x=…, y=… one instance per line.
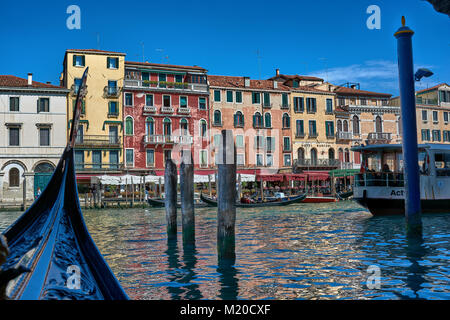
x=241, y=38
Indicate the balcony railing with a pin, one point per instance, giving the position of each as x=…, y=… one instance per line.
x=164, y=85
x=375, y=137
x=111, y=92
x=83, y=166
x=342, y=135
x=184, y=110
x=430, y=102
x=317, y=163
x=149, y=109
x=168, y=139
x=98, y=141
x=74, y=90
x=165, y=109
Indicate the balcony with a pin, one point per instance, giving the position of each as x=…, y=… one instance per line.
x=167, y=139
x=313, y=135
x=166, y=86
x=428, y=102
x=111, y=92
x=300, y=135
x=343, y=135
x=165, y=109
x=74, y=90
x=317, y=163
x=83, y=166
x=379, y=137
x=149, y=109
x=184, y=110
x=267, y=105
x=98, y=141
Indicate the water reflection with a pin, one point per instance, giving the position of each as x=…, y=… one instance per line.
x=190, y=261
x=415, y=251
x=229, y=288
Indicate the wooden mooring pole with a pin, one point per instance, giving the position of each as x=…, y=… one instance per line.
x=170, y=190
x=226, y=198
x=187, y=197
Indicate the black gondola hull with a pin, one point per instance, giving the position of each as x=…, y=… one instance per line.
x=281, y=203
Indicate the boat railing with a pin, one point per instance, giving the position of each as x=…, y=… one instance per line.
x=379, y=179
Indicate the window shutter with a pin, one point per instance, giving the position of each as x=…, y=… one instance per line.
x=235, y=119
x=74, y=60
x=37, y=108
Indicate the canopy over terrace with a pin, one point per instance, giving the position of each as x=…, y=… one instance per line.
x=343, y=172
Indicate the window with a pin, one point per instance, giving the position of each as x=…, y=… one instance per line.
x=444, y=96
x=257, y=120
x=44, y=137
x=150, y=158
x=299, y=104
x=256, y=98
x=167, y=101
x=268, y=120
x=14, y=136
x=83, y=106
x=445, y=116
x=129, y=130
x=113, y=109
x=217, y=118
x=239, y=141
x=112, y=87
x=442, y=164
x=112, y=63
x=312, y=128
x=149, y=100
x=203, y=158
x=167, y=126
x=129, y=157
x=270, y=144
x=96, y=159
x=43, y=105
x=259, y=160
x=329, y=108
x=295, y=83
x=345, y=126
x=266, y=96
x=217, y=95
x=162, y=80
x=299, y=128
x=435, y=116
x=149, y=126
x=424, y=115
x=183, y=102
x=167, y=155
x=128, y=99
x=287, y=160
x=79, y=159
x=425, y=134
x=269, y=159
x=114, y=160
x=229, y=96
x=202, y=103
x=238, y=120
x=238, y=96
x=145, y=79
x=311, y=105
x=14, y=177
x=436, y=135
x=355, y=125
x=286, y=144
x=14, y=104
x=178, y=78
x=331, y=154
x=446, y=135
x=113, y=134
x=286, y=121
x=329, y=129
x=203, y=128
x=259, y=142
x=378, y=124
x=78, y=61
x=363, y=101
x=284, y=100
x=184, y=127
x=240, y=159
x=341, y=101
x=77, y=85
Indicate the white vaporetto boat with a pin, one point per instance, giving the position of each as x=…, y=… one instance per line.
x=379, y=186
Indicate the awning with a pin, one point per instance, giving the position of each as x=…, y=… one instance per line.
x=295, y=177
x=270, y=177
x=343, y=172
x=317, y=175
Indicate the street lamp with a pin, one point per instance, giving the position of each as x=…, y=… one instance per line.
x=422, y=72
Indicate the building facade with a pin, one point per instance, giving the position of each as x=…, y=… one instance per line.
x=32, y=135
x=165, y=111
x=257, y=111
x=99, y=145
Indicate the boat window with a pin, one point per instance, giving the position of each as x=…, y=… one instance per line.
x=373, y=162
x=424, y=166
x=442, y=163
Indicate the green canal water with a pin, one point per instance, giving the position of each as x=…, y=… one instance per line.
x=306, y=251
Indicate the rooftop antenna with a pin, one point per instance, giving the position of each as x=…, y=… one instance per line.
x=143, y=55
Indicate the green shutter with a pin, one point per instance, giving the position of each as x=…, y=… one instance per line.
x=74, y=60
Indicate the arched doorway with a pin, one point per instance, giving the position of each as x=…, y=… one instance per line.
x=300, y=155
x=42, y=174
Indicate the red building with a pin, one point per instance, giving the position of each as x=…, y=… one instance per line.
x=165, y=110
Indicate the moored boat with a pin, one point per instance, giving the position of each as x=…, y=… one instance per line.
x=379, y=186
x=271, y=203
x=317, y=199
x=160, y=203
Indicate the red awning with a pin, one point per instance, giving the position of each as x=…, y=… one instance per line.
x=270, y=177
x=295, y=176
x=317, y=175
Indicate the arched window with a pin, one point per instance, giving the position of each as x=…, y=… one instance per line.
x=167, y=126
x=129, y=128
x=184, y=127
x=345, y=126
x=203, y=128
x=286, y=121
x=314, y=156
x=347, y=155
x=257, y=120
x=238, y=120
x=267, y=120
x=14, y=180
x=217, y=118
x=339, y=125
x=355, y=124
x=149, y=126
x=301, y=154
x=44, y=168
x=341, y=155
x=331, y=154
x=378, y=124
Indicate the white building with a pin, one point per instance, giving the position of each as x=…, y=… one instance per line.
x=33, y=126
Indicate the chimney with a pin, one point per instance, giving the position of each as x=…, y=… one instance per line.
x=278, y=72
x=246, y=82
x=48, y=82
x=275, y=84
x=30, y=79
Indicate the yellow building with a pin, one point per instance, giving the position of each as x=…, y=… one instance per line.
x=313, y=122
x=99, y=142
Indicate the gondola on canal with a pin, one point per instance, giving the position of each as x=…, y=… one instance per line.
x=50, y=246
x=269, y=203
x=160, y=203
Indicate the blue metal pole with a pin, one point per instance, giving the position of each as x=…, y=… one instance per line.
x=408, y=112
